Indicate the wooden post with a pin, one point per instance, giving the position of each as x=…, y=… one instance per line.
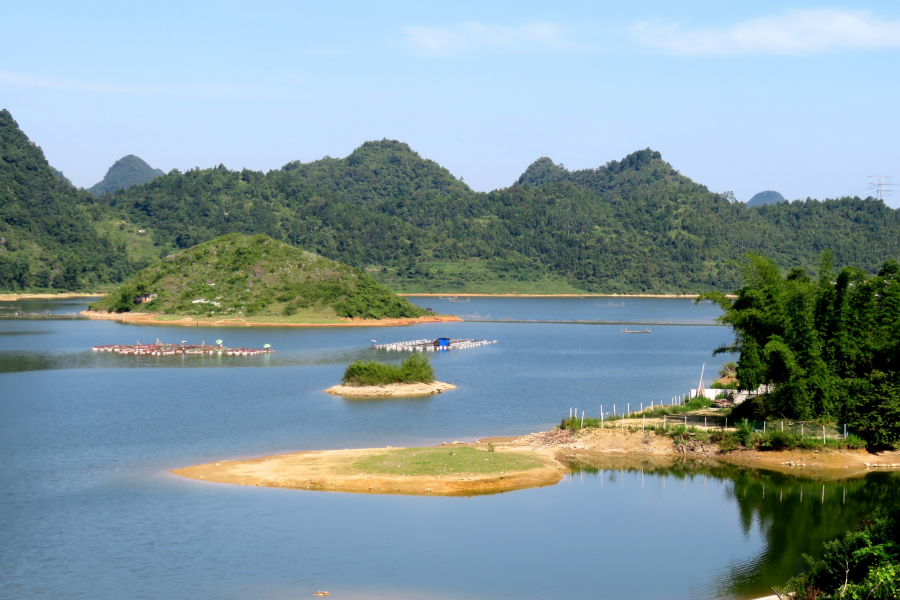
x=614, y=410
x=582, y=418
x=601, y=416
x=643, y=421
x=823, y=440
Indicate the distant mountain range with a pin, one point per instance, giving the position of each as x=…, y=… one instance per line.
x=125, y=172
x=767, y=197
x=630, y=226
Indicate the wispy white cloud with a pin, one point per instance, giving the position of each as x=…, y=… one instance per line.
x=477, y=37
x=794, y=33
x=80, y=86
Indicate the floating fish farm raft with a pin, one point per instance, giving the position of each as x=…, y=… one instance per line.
x=160, y=349
x=432, y=345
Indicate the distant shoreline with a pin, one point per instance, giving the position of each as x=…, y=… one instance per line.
x=688, y=296
x=14, y=297
x=189, y=321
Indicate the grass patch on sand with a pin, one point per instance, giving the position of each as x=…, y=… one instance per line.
x=444, y=460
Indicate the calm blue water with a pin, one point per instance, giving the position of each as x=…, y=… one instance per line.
x=575, y=309
x=89, y=510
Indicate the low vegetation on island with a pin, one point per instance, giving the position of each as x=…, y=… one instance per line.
x=411, y=377
x=415, y=369
x=240, y=276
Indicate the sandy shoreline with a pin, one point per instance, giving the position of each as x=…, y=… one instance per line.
x=153, y=319
x=336, y=471
x=688, y=296
x=393, y=389
x=13, y=297
x=557, y=452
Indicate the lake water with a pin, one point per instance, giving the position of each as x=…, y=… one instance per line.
x=88, y=508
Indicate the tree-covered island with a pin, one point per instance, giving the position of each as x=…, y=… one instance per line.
x=255, y=276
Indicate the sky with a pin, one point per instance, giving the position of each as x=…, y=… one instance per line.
x=798, y=97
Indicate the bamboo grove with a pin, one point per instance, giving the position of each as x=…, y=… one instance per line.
x=828, y=346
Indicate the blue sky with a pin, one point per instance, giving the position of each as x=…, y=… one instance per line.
x=799, y=97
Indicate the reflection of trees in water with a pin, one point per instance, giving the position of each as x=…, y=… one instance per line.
x=797, y=516
x=794, y=515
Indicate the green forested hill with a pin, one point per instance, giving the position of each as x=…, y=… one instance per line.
x=630, y=226
x=125, y=172
x=634, y=225
x=240, y=275
x=46, y=240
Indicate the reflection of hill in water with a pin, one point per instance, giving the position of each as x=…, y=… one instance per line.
x=793, y=515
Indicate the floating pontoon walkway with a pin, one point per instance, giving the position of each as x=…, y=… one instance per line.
x=430, y=345
x=160, y=349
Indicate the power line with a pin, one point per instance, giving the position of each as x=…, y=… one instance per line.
x=879, y=183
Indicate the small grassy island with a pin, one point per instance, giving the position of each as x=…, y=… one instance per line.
x=412, y=377
x=254, y=280
x=447, y=470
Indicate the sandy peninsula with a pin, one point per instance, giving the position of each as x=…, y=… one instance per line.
x=503, y=464
x=190, y=321
x=393, y=389
x=449, y=470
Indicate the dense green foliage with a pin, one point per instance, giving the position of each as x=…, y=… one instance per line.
x=46, y=240
x=830, y=347
x=61, y=176
x=254, y=275
x=415, y=369
x=630, y=226
x=125, y=172
x=864, y=564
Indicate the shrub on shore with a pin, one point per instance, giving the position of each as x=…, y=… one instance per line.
x=415, y=369
x=864, y=563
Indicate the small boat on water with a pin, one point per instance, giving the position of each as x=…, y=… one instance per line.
x=626, y=330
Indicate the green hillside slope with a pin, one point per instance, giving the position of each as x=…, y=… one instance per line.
x=239, y=275
x=635, y=225
x=46, y=238
x=127, y=171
